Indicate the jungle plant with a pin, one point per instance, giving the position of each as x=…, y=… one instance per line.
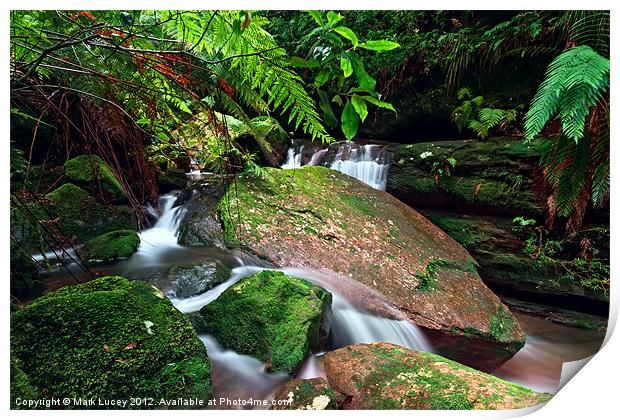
x=331, y=48
x=481, y=120
x=442, y=168
x=575, y=92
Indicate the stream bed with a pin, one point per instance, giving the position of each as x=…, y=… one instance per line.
x=237, y=377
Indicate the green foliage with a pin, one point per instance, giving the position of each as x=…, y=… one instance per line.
x=480, y=120
x=575, y=81
x=25, y=276
x=442, y=168
x=110, y=338
x=332, y=49
x=271, y=316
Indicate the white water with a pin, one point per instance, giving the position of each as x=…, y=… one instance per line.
x=293, y=160
x=164, y=234
x=364, y=162
x=349, y=324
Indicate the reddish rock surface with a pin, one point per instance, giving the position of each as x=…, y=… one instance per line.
x=320, y=219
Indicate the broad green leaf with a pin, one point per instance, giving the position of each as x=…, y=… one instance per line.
x=316, y=15
x=300, y=62
x=379, y=103
x=365, y=81
x=350, y=121
x=348, y=34
x=328, y=112
x=322, y=78
x=360, y=106
x=333, y=18
x=345, y=65
x=379, y=45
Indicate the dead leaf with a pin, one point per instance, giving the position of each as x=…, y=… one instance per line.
x=478, y=188
x=106, y=349
x=130, y=346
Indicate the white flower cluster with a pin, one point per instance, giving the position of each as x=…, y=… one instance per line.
x=424, y=155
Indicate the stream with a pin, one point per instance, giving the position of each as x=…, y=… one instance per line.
x=239, y=377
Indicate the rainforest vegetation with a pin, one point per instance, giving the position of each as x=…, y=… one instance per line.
x=192, y=176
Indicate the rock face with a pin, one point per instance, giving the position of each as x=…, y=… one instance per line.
x=271, y=316
x=321, y=219
x=494, y=176
x=111, y=246
x=91, y=170
x=198, y=227
x=109, y=338
x=386, y=376
x=194, y=279
x=307, y=394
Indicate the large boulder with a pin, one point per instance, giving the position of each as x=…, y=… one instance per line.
x=79, y=216
x=318, y=218
x=387, y=376
x=271, y=316
x=110, y=338
x=111, y=246
x=196, y=278
x=91, y=170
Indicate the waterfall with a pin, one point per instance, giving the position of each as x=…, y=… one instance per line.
x=369, y=162
x=165, y=232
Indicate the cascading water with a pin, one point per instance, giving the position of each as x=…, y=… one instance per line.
x=369, y=162
x=165, y=232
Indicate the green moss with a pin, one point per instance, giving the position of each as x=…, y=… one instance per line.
x=91, y=169
x=81, y=216
x=427, y=279
x=20, y=385
x=271, y=316
x=111, y=246
x=356, y=202
x=110, y=338
x=459, y=229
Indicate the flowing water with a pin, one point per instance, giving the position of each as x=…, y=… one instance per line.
x=236, y=376
x=367, y=162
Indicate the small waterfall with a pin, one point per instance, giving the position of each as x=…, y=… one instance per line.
x=293, y=159
x=369, y=162
x=165, y=232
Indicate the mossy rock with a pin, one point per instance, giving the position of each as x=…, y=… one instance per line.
x=493, y=176
x=271, y=316
x=91, y=170
x=387, y=376
x=80, y=216
x=173, y=179
x=110, y=338
x=25, y=276
x=20, y=385
x=193, y=279
x=306, y=394
x=111, y=246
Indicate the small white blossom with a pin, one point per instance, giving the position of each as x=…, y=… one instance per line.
x=424, y=155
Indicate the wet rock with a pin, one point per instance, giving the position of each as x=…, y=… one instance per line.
x=276, y=318
x=306, y=394
x=174, y=179
x=91, y=170
x=386, y=376
x=200, y=227
x=320, y=219
x=193, y=279
x=109, y=338
x=111, y=246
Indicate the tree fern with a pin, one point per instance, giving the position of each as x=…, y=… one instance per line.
x=575, y=81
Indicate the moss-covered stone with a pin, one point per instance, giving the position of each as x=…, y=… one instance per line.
x=111, y=246
x=318, y=218
x=271, y=316
x=306, y=394
x=25, y=276
x=110, y=338
x=20, y=385
x=386, y=376
x=494, y=176
x=80, y=216
x=91, y=170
